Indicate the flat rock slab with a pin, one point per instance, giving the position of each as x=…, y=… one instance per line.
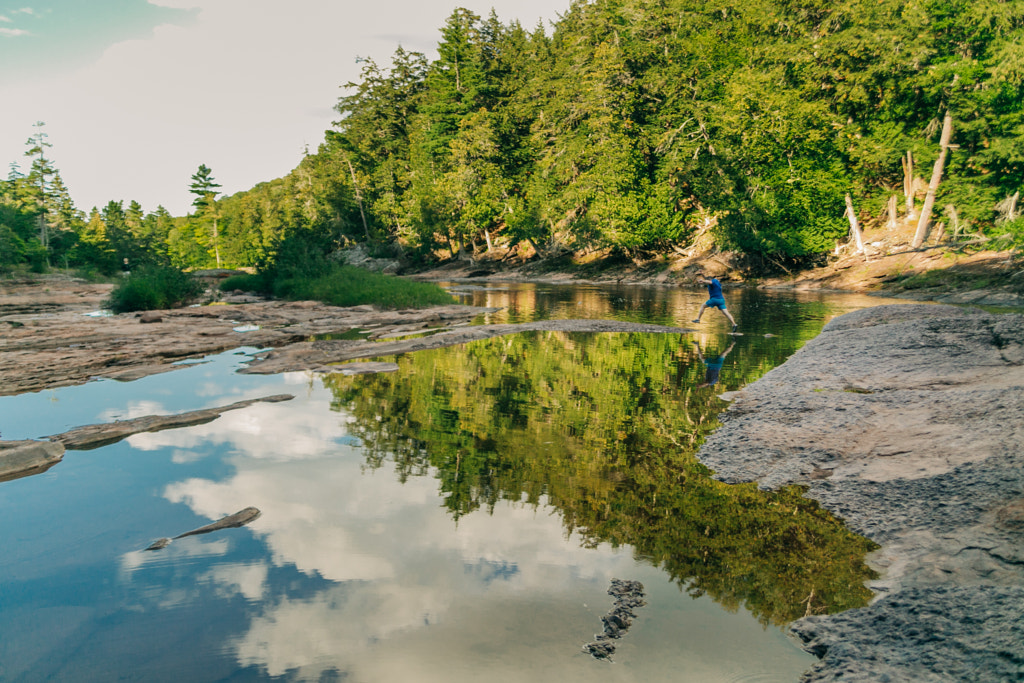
x=53, y=342
x=94, y=436
x=24, y=458
x=906, y=421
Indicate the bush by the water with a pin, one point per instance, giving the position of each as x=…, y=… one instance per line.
x=302, y=271
x=154, y=287
x=352, y=286
x=344, y=286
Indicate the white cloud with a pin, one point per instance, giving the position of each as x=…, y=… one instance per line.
x=243, y=90
x=13, y=32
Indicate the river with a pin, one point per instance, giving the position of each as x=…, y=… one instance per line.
x=460, y=519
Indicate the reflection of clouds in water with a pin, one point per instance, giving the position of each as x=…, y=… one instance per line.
x=399, y=562
x=177, y=551
x=478, y=598
x=281, y=431
x=248, y=579
x=332, y=629
x=133, y=410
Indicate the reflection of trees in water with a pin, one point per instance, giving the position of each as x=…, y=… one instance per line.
x=606, y=427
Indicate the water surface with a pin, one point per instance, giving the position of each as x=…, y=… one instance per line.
x=459, y=520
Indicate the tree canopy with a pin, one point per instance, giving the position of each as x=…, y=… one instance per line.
x=632, y=126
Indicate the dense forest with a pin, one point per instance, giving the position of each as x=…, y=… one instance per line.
x=634, y=126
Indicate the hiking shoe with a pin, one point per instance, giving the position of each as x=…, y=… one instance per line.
x=734, y=327
x=696, y=320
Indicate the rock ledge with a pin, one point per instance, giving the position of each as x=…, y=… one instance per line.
x=906, y=421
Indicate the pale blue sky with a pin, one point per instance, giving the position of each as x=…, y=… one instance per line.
x=136, y=94
x=39, y=38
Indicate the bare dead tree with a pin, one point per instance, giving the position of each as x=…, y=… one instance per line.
x=854, y=227
x=908, y=184
x=891, y=209
x=929, y=200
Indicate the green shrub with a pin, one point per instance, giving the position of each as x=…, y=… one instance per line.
x=154, y=287
x=248, y=283
x=301, y=270
x=351, y=286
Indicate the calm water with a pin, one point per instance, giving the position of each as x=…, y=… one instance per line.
x=459, y=520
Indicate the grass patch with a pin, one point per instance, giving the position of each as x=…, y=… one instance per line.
x=340, y=285
x=302, y=271
x=153, y=288
x=351, y=286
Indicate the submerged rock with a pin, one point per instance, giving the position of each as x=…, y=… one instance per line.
x=629, y=595
x=240, y=518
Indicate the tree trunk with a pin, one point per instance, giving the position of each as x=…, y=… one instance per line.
x=487, y=236
x=891, y=223
x=854, y=227
x=929, y=200
x=216, y=242
x=359, y=198
x=908, y=184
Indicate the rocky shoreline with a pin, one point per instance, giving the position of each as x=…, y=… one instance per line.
x=906, y=421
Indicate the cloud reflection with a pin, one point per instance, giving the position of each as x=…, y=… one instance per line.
x=397, y=563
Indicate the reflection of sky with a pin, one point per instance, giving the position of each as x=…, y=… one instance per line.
x=408, y=595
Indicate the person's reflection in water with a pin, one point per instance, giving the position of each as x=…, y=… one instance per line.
x=714, y=366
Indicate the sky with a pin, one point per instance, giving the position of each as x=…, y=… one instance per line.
x=136, y=94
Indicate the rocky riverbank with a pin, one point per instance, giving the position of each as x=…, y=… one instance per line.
x=993, y=278
x=907, y=422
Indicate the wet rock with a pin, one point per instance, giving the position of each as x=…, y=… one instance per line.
x=601, y=649
x=24, y=458
x=629, y=595
x=94, y=436
x=907, y=422
x=240, y=518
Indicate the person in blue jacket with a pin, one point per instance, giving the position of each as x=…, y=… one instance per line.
x=715, y=299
